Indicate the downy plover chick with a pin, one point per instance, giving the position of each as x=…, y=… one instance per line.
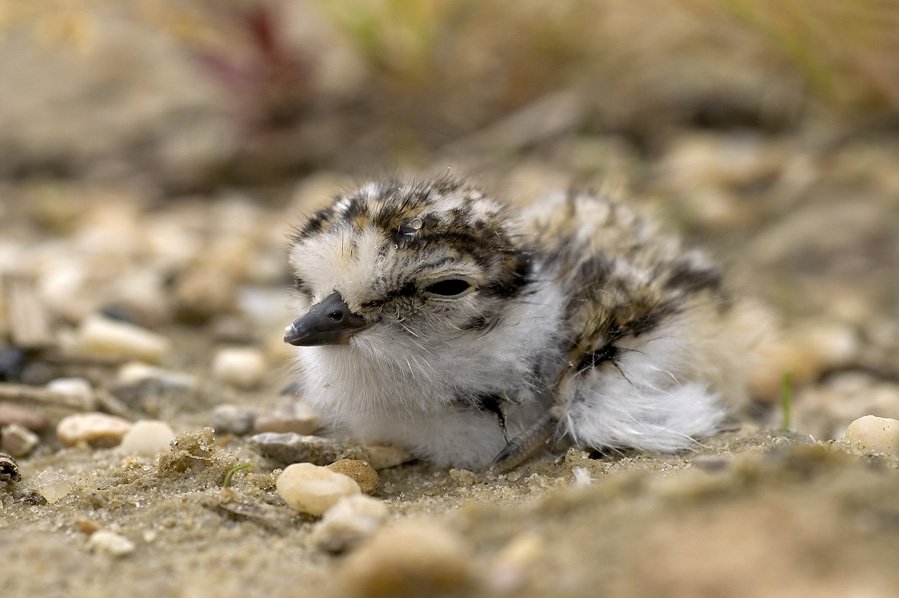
x=433, y=317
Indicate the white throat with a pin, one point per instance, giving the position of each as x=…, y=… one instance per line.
x=390, y=386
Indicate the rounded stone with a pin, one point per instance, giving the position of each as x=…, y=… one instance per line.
x=110, y=543
x=382, y=456
x=409, y=559
x=135, y=372
x=77, y=388
x=242, y=367
x=363, y=473
x=101, y=337
x=352, y=519
x=288, y=448
x=18, y=441
x=95, y=429
x=875, y=434
x=313, y=489
x=147, y=437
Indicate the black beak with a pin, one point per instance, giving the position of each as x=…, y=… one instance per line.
x=329, y=322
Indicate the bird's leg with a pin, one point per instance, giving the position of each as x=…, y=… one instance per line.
x=523, y=446
x=492, y=404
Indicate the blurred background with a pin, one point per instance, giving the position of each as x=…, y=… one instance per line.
x=153, y=154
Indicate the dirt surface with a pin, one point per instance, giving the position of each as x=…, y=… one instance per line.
x=166, y=205
x=752, y=514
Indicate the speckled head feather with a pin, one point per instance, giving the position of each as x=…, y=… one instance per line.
x=448, y=323
x=409, y=237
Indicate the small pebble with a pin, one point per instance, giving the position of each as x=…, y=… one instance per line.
x=288, y=448
x=352, y=519
x=233, y=419
x=53, y=485
x=363, y=473
x=296, y=417
x=135, y=372
x=241, y=367
x=409, y=559
x=101, y=337
x=875, y=434
x=109, y=543
x=77, y=388
x=18, y=441
x=383, y=456
x=97, y=429
x=87, y=526
x=12, y=363
x=147, y=437
x=10, y=413
x=312, y=489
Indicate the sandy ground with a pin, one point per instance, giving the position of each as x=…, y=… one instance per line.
x=754, y=513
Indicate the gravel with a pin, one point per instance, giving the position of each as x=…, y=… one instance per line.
x=146, y=438
x=874, y=434
x=312, y=489
x=96, y=429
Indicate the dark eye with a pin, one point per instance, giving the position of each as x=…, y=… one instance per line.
x=449, y=287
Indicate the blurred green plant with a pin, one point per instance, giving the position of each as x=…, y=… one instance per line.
x=848, y=50
x=229, y=475
x=397, y=37
x=786, y=401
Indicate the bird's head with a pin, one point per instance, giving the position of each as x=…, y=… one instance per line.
x=421, y=263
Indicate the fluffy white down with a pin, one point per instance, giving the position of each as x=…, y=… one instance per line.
x=388, y=386
x=652, y=399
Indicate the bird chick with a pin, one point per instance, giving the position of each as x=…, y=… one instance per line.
x=438, y=319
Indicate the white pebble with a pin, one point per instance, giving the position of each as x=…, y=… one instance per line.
x=52, y=485
x=96, y=429
x=147, y=437
x=240, y=367
x=875, y=434
x=135, y=372
x=312, y=489
x=349, y=521
x=111, y=543
x=101, y=337
x=77, y=388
